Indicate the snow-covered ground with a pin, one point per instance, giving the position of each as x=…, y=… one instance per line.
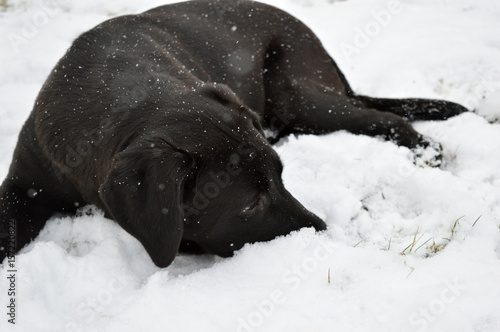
x=408, y=248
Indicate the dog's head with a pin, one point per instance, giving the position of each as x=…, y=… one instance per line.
x=215, y=184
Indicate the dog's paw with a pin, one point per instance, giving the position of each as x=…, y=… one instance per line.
x=428, y=153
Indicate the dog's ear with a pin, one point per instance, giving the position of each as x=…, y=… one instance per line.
x=220, y=93
x=143, y=192
x=223, y=94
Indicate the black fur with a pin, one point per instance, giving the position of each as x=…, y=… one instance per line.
x=157, y=119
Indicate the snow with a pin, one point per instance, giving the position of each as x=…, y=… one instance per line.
x=408, y=248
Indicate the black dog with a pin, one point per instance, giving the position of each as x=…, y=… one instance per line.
x=158, y=120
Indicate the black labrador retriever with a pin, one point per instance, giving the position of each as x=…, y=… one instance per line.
x=158, y=119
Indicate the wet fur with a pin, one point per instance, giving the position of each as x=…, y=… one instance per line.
x=158, y=118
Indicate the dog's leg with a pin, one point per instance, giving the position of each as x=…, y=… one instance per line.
x=308, y=108
x=409, y=108
x=306, y=92
x=31, y=193
x=414, y=108
x=21, y=218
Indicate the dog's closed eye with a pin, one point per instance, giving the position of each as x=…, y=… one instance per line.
x=255, y=206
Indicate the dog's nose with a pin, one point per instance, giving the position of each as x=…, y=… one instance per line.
x=319, y=225
x=315, y=221
x=299, y=215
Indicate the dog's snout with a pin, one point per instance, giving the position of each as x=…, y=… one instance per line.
x=317, y=223
x=309, y=219
x=297, y=215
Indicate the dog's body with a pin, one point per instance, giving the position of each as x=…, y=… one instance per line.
x=157, y=119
